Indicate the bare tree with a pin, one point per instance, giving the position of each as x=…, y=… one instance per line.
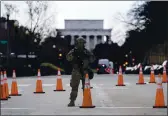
x=9, y=9
x=39, y=22
x=130, y=21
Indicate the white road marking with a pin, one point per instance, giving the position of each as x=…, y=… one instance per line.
x=48, y=85
x=16, y=108
x=124, y=107
x=23, y=85
x=100, y=94
x=104, y=98
x=118, y=88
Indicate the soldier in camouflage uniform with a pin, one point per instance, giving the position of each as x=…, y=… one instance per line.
x=80, y=58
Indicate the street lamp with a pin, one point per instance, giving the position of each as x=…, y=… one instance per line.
x=35, y=40
x=16, y=23
x=27, y=32
x=133, y=61
x=54, y=46
x=130, y=59
x=35, y=46
x=130, y=52
x=60, y=55
x=1, y=54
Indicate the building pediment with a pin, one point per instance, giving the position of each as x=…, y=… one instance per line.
x=92, y=31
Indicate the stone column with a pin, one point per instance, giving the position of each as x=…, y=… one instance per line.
x=102, y=39
x=87, y=42
x=99, y=39
x=95, y=41
x=72, y=40
x=109, y=42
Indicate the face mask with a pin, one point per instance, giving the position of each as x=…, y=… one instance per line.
x=80, y=45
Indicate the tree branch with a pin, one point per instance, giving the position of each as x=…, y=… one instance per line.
x=10, y=8
x=36, y=25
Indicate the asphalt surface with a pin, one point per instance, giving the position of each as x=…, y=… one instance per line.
x=109, y=99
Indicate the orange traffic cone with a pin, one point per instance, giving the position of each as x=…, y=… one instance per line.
x=59, y=86
x=141, y=77
x=87, y=99
x=6, y=85
x=14, y=87
x=152, y=76
x=84, y=87
x=91, y=87
x=120, y=78
x=2, y=89
x=164, y=78
x=159, y=99
x=39, y=87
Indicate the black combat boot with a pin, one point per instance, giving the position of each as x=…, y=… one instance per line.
x=71, y=104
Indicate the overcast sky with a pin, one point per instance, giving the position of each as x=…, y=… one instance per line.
x=62, y=10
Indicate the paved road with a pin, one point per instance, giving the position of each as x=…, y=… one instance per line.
x=109, y=100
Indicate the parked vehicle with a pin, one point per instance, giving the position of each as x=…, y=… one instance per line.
x=104, y=66
x=102, y=69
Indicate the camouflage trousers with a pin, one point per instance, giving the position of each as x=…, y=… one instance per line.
x=74, y=83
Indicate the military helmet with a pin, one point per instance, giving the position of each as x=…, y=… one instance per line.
x=80, y=40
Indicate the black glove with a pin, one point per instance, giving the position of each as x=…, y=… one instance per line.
x=91, y=74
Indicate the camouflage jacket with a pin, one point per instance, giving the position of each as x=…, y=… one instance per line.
x=80, y=59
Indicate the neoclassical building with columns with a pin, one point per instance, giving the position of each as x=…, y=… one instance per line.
x=91, y=30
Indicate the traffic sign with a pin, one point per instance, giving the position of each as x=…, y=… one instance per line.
x=3, y=42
